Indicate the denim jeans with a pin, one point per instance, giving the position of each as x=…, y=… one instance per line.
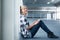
x=35, y=28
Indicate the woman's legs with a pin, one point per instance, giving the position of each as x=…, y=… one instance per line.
x=43, y=26
x=37, y=26
x=34, y=29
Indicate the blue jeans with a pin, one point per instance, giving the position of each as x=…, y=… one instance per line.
x=35, y=28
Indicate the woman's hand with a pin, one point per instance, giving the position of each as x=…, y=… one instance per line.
x=32, y=25
x=36, y=22
x=27, y=28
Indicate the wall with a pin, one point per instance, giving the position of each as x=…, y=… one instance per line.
x=8, y=19
x=0, y=19
x=16, y=27
x=17, y=18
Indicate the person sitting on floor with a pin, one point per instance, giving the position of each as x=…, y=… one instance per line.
x=29, y=30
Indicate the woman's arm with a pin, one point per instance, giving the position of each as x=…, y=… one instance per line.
x=34, y=23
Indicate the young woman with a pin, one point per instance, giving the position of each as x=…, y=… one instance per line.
x=29, y=30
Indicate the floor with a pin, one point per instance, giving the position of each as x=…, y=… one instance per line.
x=53, y=25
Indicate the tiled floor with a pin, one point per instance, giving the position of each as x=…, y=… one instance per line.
x=53, y=25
